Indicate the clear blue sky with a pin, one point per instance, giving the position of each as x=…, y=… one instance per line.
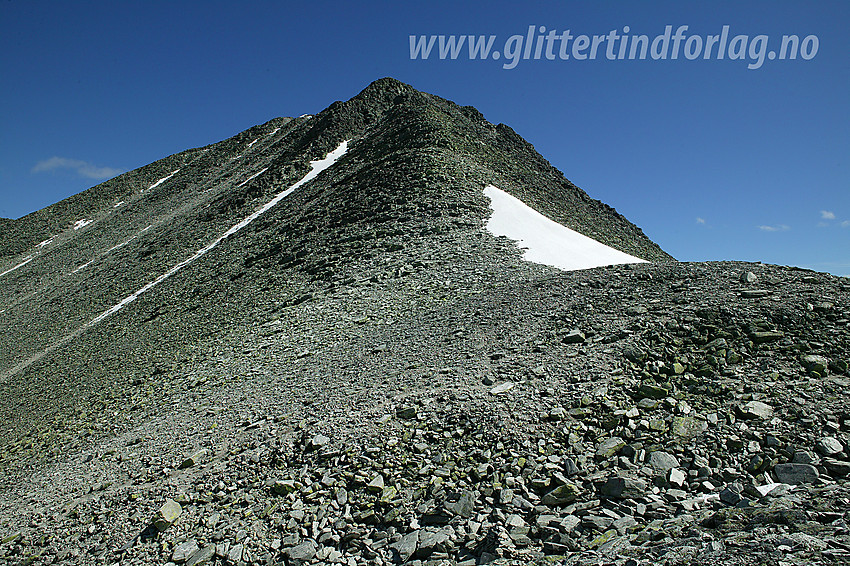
x=712, y=159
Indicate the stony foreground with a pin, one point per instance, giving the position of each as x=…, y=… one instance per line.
x=655, y=414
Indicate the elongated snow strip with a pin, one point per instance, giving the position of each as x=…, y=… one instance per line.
x=23, y=263
x=252, y=177
x=164, y=179
x=317, y=167
x=545, y=241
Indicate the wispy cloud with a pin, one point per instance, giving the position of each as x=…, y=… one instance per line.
x=700, y=220
x=845, y=224
x=82, y=168
x=779, y=228
x=827, y=215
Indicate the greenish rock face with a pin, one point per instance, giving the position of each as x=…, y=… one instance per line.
x=167, y=515
x=733, y=357
x=688, y=427
x=284, y=487
x=762, y=337
x=815, y=364
x=388, y=494
x=609, y=447
x=652, y=391
x=562, y=495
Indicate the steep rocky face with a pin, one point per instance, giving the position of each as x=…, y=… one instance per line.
x=363, y=374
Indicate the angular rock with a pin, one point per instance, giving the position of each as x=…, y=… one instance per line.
x=837, y=468
x=661, y=461
x=623, y=488
x=465, y=505
x=430, y=542
x=815, y=364
x=194, y=459
x=406, y=546
x=688, y=427
x=795, y=474
x=765, y=336
x=676, y=477
x=562, y=495
x=377, y=484
x=234, y=555
x=574, y=336
x=609, y=447
x=502, y=388
x=756, y=410
x=828, y=446
x=634, y=354
x=302, y=552
x=184, y=551
x=203, y=556
x=284, y=487
x=167, y=515
x=652, y=391
x=406, y=413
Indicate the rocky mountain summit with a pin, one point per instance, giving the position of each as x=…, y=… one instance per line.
x=301, y=345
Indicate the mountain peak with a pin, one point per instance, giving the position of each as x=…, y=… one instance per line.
x=369, y=320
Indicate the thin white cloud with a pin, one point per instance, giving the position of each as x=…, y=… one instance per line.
x=82, y=168
x=700, y=220
x=845, y=224
x=779, y=228
x=827, y=215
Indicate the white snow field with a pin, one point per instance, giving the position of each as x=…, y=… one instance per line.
x=544, y=240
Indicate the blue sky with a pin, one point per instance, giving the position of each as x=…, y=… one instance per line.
x=712, y=159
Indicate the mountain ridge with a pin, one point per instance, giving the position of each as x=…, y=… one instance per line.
x=209, y=367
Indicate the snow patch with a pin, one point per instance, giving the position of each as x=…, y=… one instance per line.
x=121, y=245
x=81, y=223
x=253, y=142
x=317, y=167
x=308, y=116
x=254, y=176
x=276, y=130
x=83, y=266
x=544, y=240
x=117, y=204
x=23, y=263
x=164, y=179
x=46, y=242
